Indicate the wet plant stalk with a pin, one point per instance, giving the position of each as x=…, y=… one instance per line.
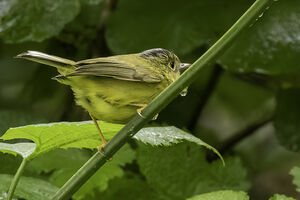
x=15, y=180
x=163, y=99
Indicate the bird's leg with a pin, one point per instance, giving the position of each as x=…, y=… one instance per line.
x=101, y=135
x=139, y=110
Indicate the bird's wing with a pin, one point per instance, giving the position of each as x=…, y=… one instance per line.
x=116, y=68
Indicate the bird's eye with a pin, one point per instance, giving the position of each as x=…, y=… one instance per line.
x=172, y=65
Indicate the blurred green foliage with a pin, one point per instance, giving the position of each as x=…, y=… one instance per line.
x=258, y=78
x=287, y=118
x=296, y=173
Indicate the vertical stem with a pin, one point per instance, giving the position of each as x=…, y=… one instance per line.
x=16, y=179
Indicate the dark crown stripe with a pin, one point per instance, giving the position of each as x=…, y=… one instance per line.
x=158, y=52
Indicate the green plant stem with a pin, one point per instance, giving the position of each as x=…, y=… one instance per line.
x=16, y=179
x=164, y=98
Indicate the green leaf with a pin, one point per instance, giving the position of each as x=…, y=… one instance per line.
x=28, y=20
x=271, y=45
x=185, y=164
x=23, y=149
x=287, y=117
x=64, y=163
x=166, y=136
x=129, y=187
x=57, y=160
x=109, y=171
x=281, y=197
x=182, y=25
x=222, y=195
x=62, y=135
x=28, y=187
x=85, y=135
x=296, y=173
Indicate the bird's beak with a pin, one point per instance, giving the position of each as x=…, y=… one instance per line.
x=183, y=67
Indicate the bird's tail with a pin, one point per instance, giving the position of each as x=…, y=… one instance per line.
x=64, y=66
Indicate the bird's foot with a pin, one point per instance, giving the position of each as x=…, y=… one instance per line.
x=139, y=111
x=100, y=147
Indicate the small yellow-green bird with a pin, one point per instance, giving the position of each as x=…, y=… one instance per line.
x=114, y=88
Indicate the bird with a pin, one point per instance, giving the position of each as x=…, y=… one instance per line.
x=114, y=88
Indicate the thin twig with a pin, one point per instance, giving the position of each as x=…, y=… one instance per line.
x=100, y=48
x=15, y=180
x=108, y=7
x=263, y=81
x=241, y=135
x=162, y=100
x=211, y=85
x=231, y=142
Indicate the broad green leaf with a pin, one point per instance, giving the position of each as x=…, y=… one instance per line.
x=166, y=136
x=181, y=171
x=28, y=20
x=23, y=149
x=270, y=45
x=62, y=135
x=296, y=173
x=85, y=135
x=64, y=163
x=281, y=197
x=287, y=117
x=130, y=187
x=28, y=188
x=112, y=169
x=221, y=195
x=180, y=26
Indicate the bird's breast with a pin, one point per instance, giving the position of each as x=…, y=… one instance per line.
x=113, y=100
